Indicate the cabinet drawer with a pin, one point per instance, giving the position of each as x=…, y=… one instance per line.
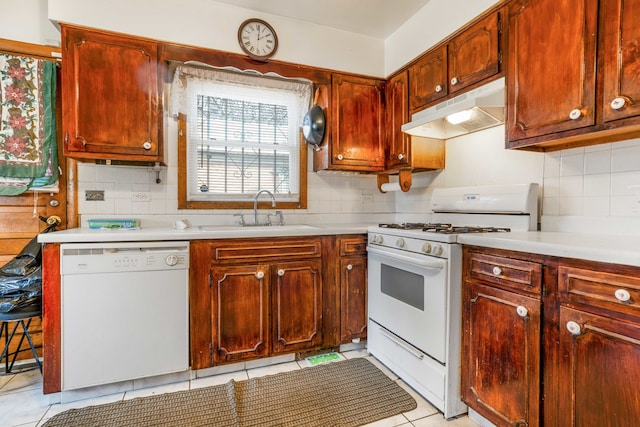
x=608, y=291
x=506, y=273
x=264, y=250
x=353, y=245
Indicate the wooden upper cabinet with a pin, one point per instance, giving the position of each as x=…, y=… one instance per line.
x=397, y=112
x=572, y=77
x=620, y=35
x=552, y=64
x=357, y=137
x=404, y=151
x=110, y=96
x=428, y=79
x=474, y=55
x=467, y=59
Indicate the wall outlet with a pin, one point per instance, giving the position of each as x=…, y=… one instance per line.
x=366, y=198
x=94, y=195
x=141, y=196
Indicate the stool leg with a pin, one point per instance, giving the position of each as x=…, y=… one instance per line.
x=4, y=329
x=33, y=349
x=15, y=354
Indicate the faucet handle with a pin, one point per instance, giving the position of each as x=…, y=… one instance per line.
x=280, y=218
x=241, y=222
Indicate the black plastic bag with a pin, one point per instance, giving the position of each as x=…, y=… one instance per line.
x=21, y=277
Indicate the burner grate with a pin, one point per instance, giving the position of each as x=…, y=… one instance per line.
x=444, y=228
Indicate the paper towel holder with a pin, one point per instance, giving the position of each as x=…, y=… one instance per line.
x=404, y=179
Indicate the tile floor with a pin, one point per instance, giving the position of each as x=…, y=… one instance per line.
x=23, y=404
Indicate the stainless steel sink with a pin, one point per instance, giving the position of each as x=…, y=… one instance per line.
x=275, y=229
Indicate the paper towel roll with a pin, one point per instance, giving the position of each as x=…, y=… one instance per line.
x=391, y=186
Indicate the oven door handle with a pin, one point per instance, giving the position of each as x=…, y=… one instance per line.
x=401, y=344
x=421, y=263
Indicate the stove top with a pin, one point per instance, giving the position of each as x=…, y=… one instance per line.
x=444, y=228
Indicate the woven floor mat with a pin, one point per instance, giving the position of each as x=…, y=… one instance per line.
x=346, y=393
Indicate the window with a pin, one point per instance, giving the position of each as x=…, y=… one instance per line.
x=239, y=133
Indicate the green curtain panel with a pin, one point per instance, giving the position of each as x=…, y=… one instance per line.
x=28, y=148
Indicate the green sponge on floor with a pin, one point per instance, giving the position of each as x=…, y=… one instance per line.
x=323, y=358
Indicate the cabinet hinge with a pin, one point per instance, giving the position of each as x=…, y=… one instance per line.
x=500, y=57
x=210, y=280
x=211, y=351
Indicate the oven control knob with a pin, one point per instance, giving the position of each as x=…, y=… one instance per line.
x=437, y=250
x=426, y=248
x=400, y=243
x=379, y=239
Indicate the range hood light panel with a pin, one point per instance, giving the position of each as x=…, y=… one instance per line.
x=483, y=108
x=459, y=117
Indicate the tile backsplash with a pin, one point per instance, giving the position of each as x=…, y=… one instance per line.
x=596, y=186
x=132, y=192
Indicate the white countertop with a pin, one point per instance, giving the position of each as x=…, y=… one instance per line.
x=85, y=235
x=617, y=249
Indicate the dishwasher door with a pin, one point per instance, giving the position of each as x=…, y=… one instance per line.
x=124, y=309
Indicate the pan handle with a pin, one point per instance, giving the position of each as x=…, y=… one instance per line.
x=315, y=97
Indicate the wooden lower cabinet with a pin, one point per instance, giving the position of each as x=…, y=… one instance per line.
x=253, y=298
x=501, y=339
x=567, y=357
x=599, y=335
x=244, y=296
x=600, y=370
x=240, y=312
x=353, y=289
x=296, y=295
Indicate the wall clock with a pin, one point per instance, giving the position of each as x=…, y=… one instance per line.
x=257, y=39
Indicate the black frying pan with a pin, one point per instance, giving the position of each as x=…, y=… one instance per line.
x=314, y=124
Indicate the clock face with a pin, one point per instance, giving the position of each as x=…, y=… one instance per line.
x=257, y=39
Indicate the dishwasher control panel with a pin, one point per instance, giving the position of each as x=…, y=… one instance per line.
x=82, y=258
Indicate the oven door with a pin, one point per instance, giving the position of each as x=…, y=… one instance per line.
x=408, y=296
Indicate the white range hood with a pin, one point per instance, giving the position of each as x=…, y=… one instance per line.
x=478, y=109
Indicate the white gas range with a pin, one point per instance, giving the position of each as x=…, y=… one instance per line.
x=414, y=284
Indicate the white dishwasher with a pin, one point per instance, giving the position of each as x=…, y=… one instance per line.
x=124, y=311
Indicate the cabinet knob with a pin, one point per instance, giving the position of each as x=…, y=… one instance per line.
x=574, y=328
x=400, y=156
x=497, y=271
x=146, y=145
x=454, y=81
x=622, y=295
x=438, y=88
x=575, y=114
x=340, y=157
x=618, y=103
x=522, y=311
x=349, y=267
x=260, y=275
x=281, y=272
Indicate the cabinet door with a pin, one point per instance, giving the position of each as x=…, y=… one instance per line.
x=501, y=355
x=357, y=123
x=474, y=54
x=353, y=282
x=110, y=96
x=296, y=306
x=397, y=109
x=599, y=373
x=621, y=58
x=552, y=65
x=239, y=312
x=428, y=79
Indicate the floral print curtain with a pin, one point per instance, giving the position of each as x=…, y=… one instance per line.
x=28, y=149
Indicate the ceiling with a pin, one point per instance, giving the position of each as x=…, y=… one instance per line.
x=374, y=18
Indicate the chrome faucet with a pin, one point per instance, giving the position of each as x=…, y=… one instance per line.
x=255, y=204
